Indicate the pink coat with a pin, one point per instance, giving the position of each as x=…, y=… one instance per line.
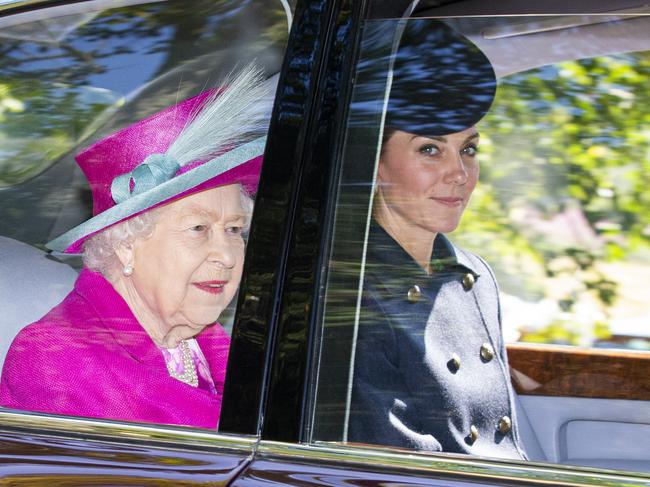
x=90, y=357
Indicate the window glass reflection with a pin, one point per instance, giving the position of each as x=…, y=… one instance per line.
x=564, y=163
x=115, y=139
x=559, y=213
x=68, y=79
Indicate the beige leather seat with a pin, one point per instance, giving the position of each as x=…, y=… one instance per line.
x=31, y=283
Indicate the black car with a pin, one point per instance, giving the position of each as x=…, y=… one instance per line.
x=562, y=214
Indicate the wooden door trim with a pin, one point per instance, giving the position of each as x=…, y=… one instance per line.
x=553, y=370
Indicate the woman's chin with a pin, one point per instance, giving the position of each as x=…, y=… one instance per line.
x=180, y=333
x=443, y=227
x=203, y=315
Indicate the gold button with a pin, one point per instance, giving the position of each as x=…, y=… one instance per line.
x=454, y=363
x=473, y=434
x=505, y=425
x=414, y=294
x=468, y=281
x=487, y=352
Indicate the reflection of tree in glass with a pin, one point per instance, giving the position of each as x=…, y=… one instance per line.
x=167, y=28
x=34, y=137
x=101, y=53
x=70, y=74
x=565, y=165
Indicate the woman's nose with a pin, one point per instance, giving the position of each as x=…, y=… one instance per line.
x=222, y=252
x=456, y=172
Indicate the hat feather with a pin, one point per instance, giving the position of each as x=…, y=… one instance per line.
x=230, y=116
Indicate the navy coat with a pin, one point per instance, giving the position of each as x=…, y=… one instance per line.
x=430, y=366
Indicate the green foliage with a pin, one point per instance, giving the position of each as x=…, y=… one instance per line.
x=565, y=161
x=66, y=75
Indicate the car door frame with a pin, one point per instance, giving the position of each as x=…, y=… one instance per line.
x=80, y=449
x=288, y=397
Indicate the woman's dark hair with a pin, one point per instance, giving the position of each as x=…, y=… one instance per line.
x=388, y=133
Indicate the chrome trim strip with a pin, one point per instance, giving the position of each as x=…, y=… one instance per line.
x=561, y=22
x=289, y=14
x=450, y=465
x=57, y=9
x=176, y=437
x=14, y=4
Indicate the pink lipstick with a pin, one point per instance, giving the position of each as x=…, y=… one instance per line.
x=212, y=287
x=448, y=201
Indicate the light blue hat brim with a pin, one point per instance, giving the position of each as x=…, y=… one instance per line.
x=161, y=193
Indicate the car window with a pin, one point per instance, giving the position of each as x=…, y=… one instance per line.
x=72, y=75
x=558, y=219
x=562, y=178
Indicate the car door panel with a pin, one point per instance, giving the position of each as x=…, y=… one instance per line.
x=275, y=472
x=29, y=459
x=608, y=433
x=585, y=405
x=87, y=452
x=606, y=444
x=278, y=463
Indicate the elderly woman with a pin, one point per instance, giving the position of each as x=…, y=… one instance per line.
x=137, y=337
x=430, y=369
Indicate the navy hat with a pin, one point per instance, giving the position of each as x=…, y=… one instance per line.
x=441, y=82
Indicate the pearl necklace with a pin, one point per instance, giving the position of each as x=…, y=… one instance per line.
x=189, y=369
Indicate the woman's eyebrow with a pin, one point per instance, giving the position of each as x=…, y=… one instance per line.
x=235, y=216
x=432, y=137
x=442, y=138
x=217, y=214
x=191, y=211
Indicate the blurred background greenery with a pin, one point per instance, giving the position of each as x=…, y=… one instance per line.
x=565, y=167
x=74, y=75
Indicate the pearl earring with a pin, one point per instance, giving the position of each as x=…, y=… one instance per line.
x=127, y=270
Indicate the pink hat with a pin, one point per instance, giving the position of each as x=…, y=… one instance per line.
x=206, y=141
